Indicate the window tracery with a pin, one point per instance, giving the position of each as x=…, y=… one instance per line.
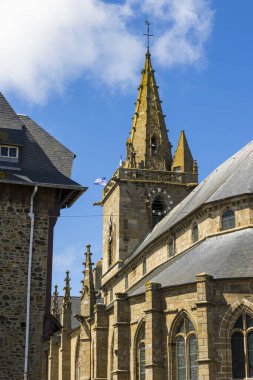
x=186, y=351
x=242, y=347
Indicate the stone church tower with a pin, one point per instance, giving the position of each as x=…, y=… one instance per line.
x=149, y=183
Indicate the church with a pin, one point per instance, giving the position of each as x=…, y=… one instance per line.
x=171, y=298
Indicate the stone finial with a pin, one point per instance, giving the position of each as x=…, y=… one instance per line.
x=66, y=310
x=195, y=167
x=67, y=288
x=55, y=306
x=88, y=297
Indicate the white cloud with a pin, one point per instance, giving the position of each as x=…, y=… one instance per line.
x=45, y=44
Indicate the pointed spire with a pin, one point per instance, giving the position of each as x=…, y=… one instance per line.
x=66, y=311
x=67, y=288
x=183, y=161
x=88, y=290
x=148, y=146
x=55, y=306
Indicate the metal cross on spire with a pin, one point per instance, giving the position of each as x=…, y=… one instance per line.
x=148, y=34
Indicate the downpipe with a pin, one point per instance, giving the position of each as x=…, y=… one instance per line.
x=28, y=293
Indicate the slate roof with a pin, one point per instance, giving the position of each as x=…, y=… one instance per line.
x=43, y=160
x=75, y=307
x=8, y=117
x=225, y=256
x=230, y=179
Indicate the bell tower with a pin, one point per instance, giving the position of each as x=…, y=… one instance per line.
x=149, y=183
x=148, y=146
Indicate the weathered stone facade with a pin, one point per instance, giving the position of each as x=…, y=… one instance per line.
x=14, y=235
x=176, y=287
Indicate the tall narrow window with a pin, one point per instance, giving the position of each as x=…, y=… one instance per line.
x=153, y=145
x=110, y=242
x=242, y=347
x=142, y=360
x=195, y=233
x=140, y=354
x=157, y=210
x=126, y=282
x=171, y=246
x=228, y=220
x=144, y=266
x=186, y=351
x=111, y=295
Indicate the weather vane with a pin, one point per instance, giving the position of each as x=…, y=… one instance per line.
x=148, y=34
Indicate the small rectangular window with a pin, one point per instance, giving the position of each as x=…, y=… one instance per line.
x=144, y=266
x=8, y=151
x=126, y=282
x=111, y=295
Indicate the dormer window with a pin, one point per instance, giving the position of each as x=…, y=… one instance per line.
x=8, y=152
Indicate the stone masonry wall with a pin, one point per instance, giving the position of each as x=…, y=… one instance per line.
x=14, y=249
x=211, y=305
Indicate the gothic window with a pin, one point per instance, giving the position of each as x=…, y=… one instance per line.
x=242, y=347
x=157, y=210
x=186, y=351
x=171, y=246
x=195, y=233
x=140, y=354
x=228, y=220
x=153, y=145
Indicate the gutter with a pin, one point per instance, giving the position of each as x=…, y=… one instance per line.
x=28, y=294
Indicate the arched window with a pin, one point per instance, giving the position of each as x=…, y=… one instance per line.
x=153, y=145
x=140, y=353
x=186, y=351
x=228, y=220
x=242, y=347
x=195, y=233
x=157, y=210
x=171, y=246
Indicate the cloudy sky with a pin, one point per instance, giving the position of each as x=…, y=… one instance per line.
x=74, y=66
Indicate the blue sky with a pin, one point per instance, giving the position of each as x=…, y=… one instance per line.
x=203, y=67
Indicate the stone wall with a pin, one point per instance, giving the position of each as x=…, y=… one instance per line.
x=211, y=305
x=130, y=208
x=14, y=242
